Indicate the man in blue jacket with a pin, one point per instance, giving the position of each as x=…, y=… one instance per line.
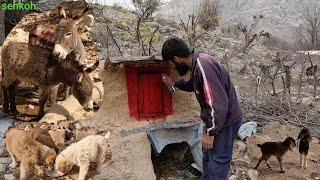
x=220, y=110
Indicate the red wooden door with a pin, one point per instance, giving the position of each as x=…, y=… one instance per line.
x=150, y=95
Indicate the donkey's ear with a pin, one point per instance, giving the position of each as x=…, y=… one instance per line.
x=62, y=12
x=80, y=15
x=92, y=68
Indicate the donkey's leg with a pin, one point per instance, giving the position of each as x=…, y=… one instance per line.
x=12, y=97
x=5, y=106
x=43, y=96
x=54, y=94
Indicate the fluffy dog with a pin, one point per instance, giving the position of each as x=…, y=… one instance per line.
x=277, y=149
x=305, y=138
x=29, y=152
x=92, y=148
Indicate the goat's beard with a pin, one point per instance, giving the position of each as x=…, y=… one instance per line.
x=182, y=69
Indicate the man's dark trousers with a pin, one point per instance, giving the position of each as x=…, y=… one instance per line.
x=216, y=162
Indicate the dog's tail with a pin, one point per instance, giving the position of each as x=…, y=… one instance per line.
x=107, y=135
x=259, y=145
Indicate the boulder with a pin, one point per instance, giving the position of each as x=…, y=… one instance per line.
x=253, y=174
x=80, y=134
x=3, y=168
x=233, y=177
x=58, y=136
x=9, y=177
x=241, y=151
x=53, y=118
x=2, y=147
x=78, y=126
x=66, y=108
x=6, y=160
x=66, y=125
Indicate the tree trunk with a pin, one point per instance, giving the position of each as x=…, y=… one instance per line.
x=314, y=85
x=273, y=87
x=300, y=79
x=138, y=34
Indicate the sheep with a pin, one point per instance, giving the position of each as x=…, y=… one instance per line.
x=36, y=66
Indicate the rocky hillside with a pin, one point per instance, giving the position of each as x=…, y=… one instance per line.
x=281, y=16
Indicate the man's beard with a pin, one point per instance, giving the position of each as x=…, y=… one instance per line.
x=182, y=69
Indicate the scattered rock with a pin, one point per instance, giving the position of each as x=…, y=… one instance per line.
x=253, y=174
x=78, y=126
x=2, y=147
x=80, y=134
x=233, y=177
x=45, y=126
x=66, y=108
x=241, y=151
x=3, y=168
x=5, y=160
x=52, y=118
x=65, y=125
x=9, y=177
x=58, y=136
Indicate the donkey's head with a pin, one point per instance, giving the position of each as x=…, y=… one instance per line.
x=82, y=86
x=67, y=37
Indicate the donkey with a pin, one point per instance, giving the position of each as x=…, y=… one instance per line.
x=67, y=37
x=35, y=65
x=68, y=40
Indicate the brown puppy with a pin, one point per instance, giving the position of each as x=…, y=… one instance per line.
x=29, y=152
x=277, y=149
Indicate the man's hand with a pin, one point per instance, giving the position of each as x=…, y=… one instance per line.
x=207, y=142
x=167, y=81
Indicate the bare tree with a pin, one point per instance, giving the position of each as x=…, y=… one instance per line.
x=208, y=14
x=192, y=30
x=308, y=32
x=144, y=11
x=312, y=18
x=311, y=71
x=249, y=32
x=278, y=70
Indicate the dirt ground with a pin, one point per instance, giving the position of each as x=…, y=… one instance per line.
x=278, y=132
x=291, y=165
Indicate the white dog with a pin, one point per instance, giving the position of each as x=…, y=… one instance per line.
x=92, y=148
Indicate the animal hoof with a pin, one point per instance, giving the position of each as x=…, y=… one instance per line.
x=282, y=171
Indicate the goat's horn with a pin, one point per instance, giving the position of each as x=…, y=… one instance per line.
x=99, y=90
